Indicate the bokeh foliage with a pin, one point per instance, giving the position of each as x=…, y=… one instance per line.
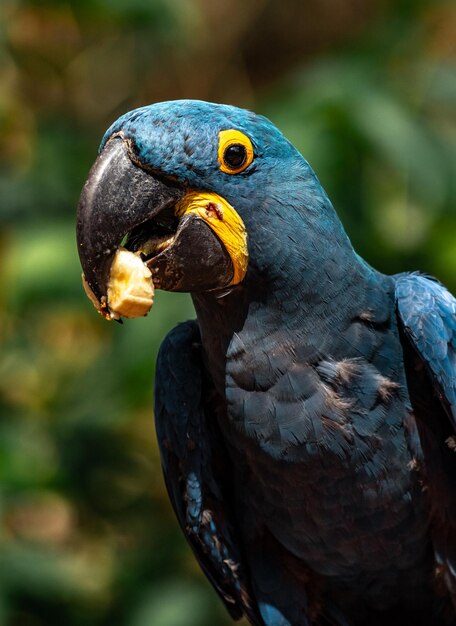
x=367, y=91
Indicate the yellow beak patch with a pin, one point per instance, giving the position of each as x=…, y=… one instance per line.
x=226, y=223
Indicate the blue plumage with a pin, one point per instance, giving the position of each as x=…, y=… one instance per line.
x=306, y=419
x=428, y=313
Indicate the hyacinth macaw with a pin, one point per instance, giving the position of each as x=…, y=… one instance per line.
x=306, y=419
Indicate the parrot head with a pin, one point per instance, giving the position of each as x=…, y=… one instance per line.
x=201, y=192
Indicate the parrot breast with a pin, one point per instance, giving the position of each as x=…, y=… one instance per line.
x=319, y=429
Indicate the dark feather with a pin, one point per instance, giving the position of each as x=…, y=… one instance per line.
x=187, y=444
x=427, y=315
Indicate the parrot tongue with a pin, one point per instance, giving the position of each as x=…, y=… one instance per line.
x=154, y=235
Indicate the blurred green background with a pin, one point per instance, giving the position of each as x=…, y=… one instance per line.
x=366, y=90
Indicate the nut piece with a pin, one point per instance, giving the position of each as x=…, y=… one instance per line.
x=130, y=287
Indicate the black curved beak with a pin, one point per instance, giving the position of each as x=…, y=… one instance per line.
x=123, y=204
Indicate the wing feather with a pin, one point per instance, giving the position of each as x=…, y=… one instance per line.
x=427, y=312
x=192, y=460
x=427, y=315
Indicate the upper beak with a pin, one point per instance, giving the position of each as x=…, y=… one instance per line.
x=117, y=197
x=119, y=201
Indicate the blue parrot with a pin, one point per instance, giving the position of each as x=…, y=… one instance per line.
x=306, y=419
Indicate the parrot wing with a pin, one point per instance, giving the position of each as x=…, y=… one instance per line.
x=427, y=319
x=194, y=464
x=427, y=312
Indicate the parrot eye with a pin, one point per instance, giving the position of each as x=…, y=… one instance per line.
x=235, y=151
x=235, y=156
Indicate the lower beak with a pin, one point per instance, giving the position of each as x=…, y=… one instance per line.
x=195, y=261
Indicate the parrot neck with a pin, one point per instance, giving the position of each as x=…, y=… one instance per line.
x=304, y=281
x=296, y=297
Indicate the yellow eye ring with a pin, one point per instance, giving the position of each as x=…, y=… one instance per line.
x=235, y=151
